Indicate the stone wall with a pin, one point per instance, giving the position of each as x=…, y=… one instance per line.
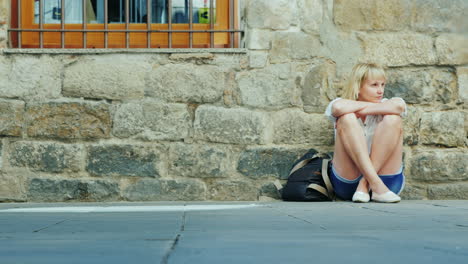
x=204, y=125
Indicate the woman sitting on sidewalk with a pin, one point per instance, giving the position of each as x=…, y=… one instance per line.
x=368, y=139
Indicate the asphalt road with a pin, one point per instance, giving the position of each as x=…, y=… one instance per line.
x=276, y=232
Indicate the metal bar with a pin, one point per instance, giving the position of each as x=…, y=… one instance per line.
x=211, y=24
x=191, y=23
x=106, y=24
x=62, y=22
x=169, y=23
x=127, y=21
x=231, y=22
x=130, y=30
x=41, y=23
x=148, y=21
x=19, y=23
x=85, y=22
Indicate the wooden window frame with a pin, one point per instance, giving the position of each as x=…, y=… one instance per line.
x=94, y=36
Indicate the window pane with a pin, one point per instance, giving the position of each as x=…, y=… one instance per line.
x=201, y=11
x=52, y=11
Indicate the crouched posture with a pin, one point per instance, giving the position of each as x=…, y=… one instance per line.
x=368, y=139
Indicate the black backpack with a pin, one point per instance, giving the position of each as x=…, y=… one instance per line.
x=308, y=179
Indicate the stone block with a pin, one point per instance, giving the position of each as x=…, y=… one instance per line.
x=270, y=14
x=361, y=15
x=186, y=83
x=124, y=160
x=166, y=190
x=60, y=190
x=270, y=190
x=11, y=118
x=270, y=88
x=318, y=87
x=231, y=125
x=258, y=39
x=414, y=192
x=11, y=188
x=439, y=166
x=292, y=126
x=152, y=120
x=411, y=126
x=422, y=86
x=266, y=162
x=234, y=190
x=114, y=76
x=30, y=77
x=68, y=120
x=443, y=128
x=310, y=14
x=439, y=15
x=201, y=161
x=46, y=156
x=258, y=59
x=462, y=74
x=287, y=46
x=452, y=49
x=455, y=191
x=398, y=49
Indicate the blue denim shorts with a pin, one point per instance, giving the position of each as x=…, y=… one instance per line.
x=345, y=188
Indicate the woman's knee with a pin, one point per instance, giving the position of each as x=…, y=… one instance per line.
x=392, y=121
x=346, y=119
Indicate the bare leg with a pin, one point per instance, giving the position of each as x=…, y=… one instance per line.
x=387, y=148
x=351, y=154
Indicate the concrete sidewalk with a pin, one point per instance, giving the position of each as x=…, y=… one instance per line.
x=276, y=232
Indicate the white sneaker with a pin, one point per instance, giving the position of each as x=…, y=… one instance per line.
x=388, y=197
x=361, y=197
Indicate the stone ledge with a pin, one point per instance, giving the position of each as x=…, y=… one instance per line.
x=114, y=51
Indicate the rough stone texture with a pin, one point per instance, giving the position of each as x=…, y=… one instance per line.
x=11, y=188
x=268, y=88
x=422, y=86
x=68, y=120
x=234, y=125
x=398, y=49
x=46, y=156
x=293, y=45
x=317, y=89
x=258, y=39
x=258, y=59
x=452, y=49
x=411, y=126
x=292, y=126
x=30, y=77
x=186, y=83
x=268, y=162
x=414, y=192
x=270, y=14
x=372, y=15
x=152, y=120
x=448, y=191
x=443, y=128
x=310, y=14
x=234, y=190
x=108, y=77
x=462, y=74
x=166, y=190
x=439, y=166
x=439, y=15
x=201, y=161
x=60, y=190
x=11, y=117
x=124, y=160
x=270, y=190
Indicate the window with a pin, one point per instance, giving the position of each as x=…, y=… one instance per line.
x=124, y=24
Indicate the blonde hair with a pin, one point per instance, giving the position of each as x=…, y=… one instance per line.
x=360, y=73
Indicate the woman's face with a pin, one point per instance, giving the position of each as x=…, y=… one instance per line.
x=372, y=90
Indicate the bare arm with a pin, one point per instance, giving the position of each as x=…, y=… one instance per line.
x=390, y=107
x=345, y=106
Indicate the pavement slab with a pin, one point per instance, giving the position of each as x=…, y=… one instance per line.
x=235, y=232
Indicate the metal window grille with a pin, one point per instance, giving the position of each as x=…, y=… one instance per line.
x=232, y=29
